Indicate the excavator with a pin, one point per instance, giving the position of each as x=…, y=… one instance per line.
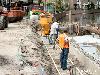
x=10, y=12
x=16, y=13
x=3, y=18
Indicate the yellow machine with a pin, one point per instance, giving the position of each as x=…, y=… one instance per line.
x=45, y=21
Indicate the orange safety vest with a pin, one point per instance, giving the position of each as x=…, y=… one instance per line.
x=62, y=42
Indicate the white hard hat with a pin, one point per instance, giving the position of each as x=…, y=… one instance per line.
x=56, y=23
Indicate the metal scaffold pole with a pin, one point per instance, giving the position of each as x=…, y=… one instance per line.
x=70, y=16
x=45, y=5
x=70, y=10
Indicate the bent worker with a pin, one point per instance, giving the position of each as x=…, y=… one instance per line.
x=64, y=45
x=53, y=32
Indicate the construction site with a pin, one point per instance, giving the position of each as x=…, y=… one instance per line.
x=25, y=47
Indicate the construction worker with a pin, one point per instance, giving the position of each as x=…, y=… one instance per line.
x=44, y=24
x=64, y=45
x=53, y=32
x=49, y=16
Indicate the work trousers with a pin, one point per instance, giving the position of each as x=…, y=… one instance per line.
x=63, y=58
x=52, y=38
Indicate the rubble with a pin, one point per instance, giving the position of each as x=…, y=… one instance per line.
x=83, y=48
x=23, y=52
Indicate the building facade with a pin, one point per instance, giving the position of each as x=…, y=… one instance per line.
x=82, y=3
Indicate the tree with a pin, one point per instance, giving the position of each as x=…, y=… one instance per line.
x=39, y=2
x=60, y=6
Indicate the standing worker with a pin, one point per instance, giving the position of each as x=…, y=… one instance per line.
x=64, y=45
x=44, y=24
x=53, y=32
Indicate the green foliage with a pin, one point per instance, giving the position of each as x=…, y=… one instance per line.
x=39, y=2
x=37, y=13
x=59, y=6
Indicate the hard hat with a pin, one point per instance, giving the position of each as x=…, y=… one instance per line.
x=56, y=23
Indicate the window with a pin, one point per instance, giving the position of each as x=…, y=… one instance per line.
x=78, y=0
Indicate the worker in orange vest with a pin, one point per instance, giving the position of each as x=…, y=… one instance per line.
x=63, y=42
